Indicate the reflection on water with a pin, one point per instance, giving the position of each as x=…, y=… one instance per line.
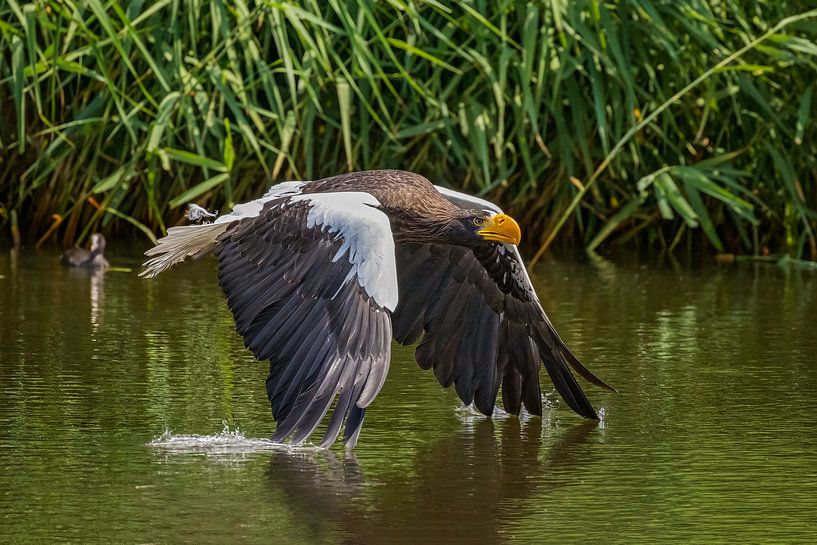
x=97, y=295
x=451, y=497
x=712, y=438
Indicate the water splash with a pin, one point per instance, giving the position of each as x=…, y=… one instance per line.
x=228, y=442
x=470, y=412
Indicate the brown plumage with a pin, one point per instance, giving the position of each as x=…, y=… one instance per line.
x=312, y=273
x=417, y=212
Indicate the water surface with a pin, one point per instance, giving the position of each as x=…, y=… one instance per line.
x=130, y=412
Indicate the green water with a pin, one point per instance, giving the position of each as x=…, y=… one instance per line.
x=712, y=438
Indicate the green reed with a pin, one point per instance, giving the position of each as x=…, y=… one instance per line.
x=114, y=114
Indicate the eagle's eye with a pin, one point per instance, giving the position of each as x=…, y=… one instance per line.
x=478, y=221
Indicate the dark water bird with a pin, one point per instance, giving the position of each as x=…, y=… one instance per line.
x=321, y=275
x=94, y=258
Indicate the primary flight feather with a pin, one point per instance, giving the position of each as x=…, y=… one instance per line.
x=321, y=275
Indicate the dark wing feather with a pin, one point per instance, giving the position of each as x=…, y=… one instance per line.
x=482, y=324
x=304, y=309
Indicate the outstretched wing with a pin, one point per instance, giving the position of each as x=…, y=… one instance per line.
x=311, y=282
x=482, y=324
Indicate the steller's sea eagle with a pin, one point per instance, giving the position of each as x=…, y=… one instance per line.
x=321, y=275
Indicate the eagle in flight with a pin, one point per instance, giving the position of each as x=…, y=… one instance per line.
x=321, y=275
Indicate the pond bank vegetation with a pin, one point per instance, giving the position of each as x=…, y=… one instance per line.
x=633, y=123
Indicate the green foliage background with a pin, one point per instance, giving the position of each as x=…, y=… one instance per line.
x=115, y=114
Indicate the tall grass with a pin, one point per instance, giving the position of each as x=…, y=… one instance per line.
x=114, y=114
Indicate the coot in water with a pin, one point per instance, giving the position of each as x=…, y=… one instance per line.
x=89, y=259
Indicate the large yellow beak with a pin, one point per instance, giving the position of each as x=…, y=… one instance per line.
x=501, y=228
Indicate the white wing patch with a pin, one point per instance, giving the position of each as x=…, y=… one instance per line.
x=252, y=209
x=367, y=239
x=464, y=200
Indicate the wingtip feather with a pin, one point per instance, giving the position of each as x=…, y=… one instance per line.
x=181, y=242
x=584, y=371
